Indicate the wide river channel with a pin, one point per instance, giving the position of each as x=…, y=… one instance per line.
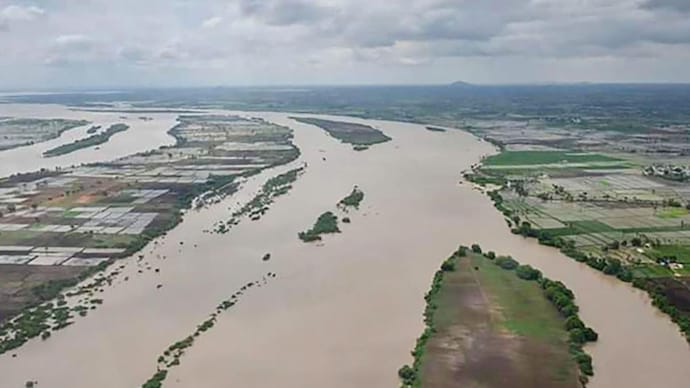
x=342, y=313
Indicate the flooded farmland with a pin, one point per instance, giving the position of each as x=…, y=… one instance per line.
x=147, y=132
x=341, y=313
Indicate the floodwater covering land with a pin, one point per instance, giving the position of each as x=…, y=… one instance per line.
x=17, y=132
x=85, y=216
x=341, y=313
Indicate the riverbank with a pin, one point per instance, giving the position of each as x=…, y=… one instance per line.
x=562, y=207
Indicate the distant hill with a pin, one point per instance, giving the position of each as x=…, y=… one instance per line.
x=461, y=84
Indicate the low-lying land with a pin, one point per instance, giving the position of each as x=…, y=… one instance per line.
x=353, y=199
x=359, y=135
x=603, y=210
x=326, y=223
x=16, y=132
x=486, y=314
x=83, y=217
x=90, y=141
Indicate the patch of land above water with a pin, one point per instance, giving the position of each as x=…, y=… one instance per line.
x=488, y=327
x=17, y=132
x=90, y=141
x=359, y=135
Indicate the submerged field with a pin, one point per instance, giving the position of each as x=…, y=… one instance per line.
x=82, y=217
x=485, y=319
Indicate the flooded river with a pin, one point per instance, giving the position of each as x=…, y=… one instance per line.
x=345, y=313
x=142, y=135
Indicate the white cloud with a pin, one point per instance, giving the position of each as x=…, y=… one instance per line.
x=211, y=22
x=73, y=40
x=20, y=13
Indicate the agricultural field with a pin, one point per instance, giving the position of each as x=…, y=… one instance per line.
x=85, y=216
x=512, y=158
x=20, y=132
x=620, y=221
x=478, y=310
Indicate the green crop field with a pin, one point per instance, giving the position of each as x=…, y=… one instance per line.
x=518, y=158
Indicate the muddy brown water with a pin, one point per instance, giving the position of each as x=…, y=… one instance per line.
x=142, y=135
x=345, y=313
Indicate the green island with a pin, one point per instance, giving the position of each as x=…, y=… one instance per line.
x=612, y=212
x=359, y=135
x=353, y=199
x=90, y=141
x=326, y=223
x=481, y=304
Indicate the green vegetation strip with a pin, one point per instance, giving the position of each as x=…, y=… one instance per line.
x=90, y=141
x=259, y=205
x=171, y=356
x=521, y=158
x=556, y=292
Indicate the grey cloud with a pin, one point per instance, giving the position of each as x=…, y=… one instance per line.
x=302, y=39
x=284, y=12
x=677, y=5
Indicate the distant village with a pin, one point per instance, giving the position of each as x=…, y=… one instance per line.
x=672, y=172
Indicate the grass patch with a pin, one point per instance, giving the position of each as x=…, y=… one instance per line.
x=672, y=212
x=524, y=310
x=679, y=252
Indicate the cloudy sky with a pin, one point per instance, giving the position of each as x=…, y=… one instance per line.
x=105, y=43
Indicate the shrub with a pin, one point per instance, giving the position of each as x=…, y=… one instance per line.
x=406, y=374
x=506, y=262
x=527, y=272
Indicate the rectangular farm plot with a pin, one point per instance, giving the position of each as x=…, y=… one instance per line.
x=15, y=259
x=50, y=259
x=545, y=223
x=85, y=262
x=12, y=227
x=115, y=220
